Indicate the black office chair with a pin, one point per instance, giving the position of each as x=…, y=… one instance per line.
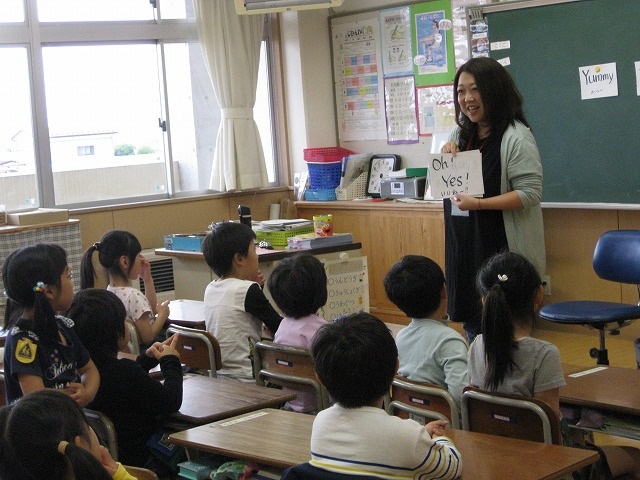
x=616, y=258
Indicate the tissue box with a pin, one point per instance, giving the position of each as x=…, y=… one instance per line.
x=41, y=215
x=191, y=242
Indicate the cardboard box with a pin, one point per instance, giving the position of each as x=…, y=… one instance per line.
x=41, y=215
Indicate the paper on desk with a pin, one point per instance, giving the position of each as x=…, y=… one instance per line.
x=448, y=175
x=587, y=372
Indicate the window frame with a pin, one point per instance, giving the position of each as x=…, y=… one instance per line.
x=35, y=36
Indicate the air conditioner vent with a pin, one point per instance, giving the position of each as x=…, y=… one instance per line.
x=162, y=273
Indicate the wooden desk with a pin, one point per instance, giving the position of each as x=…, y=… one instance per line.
x=288, y=439
x=206, y=399
x=187, y=313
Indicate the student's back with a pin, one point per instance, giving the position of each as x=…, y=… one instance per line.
x=356, y=359
x=429, y=350
x=132, y=400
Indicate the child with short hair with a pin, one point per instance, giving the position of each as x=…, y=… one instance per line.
x=356, y=359
x=119, y=254
x=298, y=285
x=46, y=435
x=429, y=350
x=235, y=307
x=132, y=400
x=42, y=350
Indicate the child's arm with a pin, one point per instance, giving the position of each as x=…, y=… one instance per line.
x=30, y=383
x=551, y=397
x=149, y=286
x=146, y=330
x=258, y=305
x=85, y=392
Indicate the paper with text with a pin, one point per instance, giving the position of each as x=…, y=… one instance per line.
x=449, y=175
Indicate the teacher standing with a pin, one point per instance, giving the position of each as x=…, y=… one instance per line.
x=508, y=216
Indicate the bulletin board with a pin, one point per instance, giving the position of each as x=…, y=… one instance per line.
x=590, y=148
x=347, y=286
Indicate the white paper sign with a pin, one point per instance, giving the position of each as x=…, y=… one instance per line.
x=598, y=81
x=449, y=175
x=637, y=65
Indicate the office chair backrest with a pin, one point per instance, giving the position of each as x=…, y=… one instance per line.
x=423, y=400
x=510, y=416
x=617, y=256
x=306, y=471
x=105, y=431
x=289, y=367
x=198, y=349
x=134, y=342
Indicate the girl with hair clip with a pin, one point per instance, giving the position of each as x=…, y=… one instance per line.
x=119, y=254
x=505, y=358
x=46, y=436
x=42, y=350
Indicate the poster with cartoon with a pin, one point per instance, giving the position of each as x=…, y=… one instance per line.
x=433, y=57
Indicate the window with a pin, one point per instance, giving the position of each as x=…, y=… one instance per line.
x=111, y=105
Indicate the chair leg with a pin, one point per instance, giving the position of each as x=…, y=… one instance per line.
x=601, y=354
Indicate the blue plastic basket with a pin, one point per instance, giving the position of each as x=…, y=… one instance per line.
x=324, y=175
x=320, y=194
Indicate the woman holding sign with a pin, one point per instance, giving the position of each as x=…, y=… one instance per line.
x=508, y=216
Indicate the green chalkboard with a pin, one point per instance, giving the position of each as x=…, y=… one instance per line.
x=590, y=149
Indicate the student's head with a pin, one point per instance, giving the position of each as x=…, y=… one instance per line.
x=118, y=252
x=99, y=317
x=496, y=93
x=511, y=291
x=224, y=242
x=415, y=284
x=37, y=277
x=34, y=431
x=298, y=285
x=355, y=358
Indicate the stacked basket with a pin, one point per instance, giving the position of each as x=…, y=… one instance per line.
x=325, y=169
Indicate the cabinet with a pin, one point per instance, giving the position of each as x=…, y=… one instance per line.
x=387, y=230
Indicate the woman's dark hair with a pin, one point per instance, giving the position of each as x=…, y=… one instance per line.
x=99, y=317
x=414, y=284
x=298, y=285
x=32, y=429
x=222, y=243
x=111, y=247
x=501, y=98
x=509, y=284
x=355, y=358
x=21, y=272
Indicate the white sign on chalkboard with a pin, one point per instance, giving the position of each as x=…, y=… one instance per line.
x=449, y=175
x=347, y=286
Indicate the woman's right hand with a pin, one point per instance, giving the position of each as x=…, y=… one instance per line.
x=450, y=147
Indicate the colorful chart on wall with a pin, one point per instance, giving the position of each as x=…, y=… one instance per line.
x=433, y=54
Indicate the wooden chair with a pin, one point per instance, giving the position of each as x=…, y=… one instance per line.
x=510, y=416
x=289, y=367
x=422, y=401
x=198, y=349
x=105, y=431
x=141, y=473
x=134, y=342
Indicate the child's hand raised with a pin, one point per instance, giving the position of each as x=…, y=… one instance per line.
x=436, y=428
x=168, y=347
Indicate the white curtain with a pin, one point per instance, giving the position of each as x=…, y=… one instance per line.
x=231, y=46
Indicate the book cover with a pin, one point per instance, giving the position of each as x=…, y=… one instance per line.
x=311, y=241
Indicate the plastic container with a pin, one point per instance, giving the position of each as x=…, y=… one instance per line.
x=324, y=175
x=320, y=194
x=357, y=189
x=325, y=154
x=278, y=238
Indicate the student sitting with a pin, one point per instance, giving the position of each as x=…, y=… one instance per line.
x=45, y=435
x=235, y=308
x=429, y=351
x=356, y=359
x=127, y=395
x=298, y=285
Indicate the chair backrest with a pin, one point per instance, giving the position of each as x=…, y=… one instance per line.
x=306, y=471
x=105, y=431
x=617, y=256
x=141, y=473
x=510, y=416
x=422, y=401
x=134, y=341
x=290, y=367
x=198, y=349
